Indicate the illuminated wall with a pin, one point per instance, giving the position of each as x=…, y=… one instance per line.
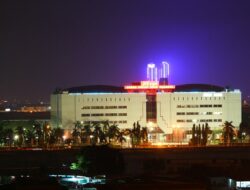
x=175, y=111
x=122, y=109
x=180, y=110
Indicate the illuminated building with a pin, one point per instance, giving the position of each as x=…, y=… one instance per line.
x=168, y=111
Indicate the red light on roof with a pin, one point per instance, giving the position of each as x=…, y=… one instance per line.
x=149, y=85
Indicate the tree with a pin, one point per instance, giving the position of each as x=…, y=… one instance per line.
x=29, y=137
x=136, y=134
x=194, y=136
x=96, y=133
x=205, y=132
x=200, y=134
x=46, y=133
x=113, y=132
x=38, y=132
x=228, y=132
x=85, y=133
x=8, y=136
x=120, y=137
x=20, y=133
x=58, y=135
x=144, y=135
x=81, y=164
x=243, y=131
x=76, y=132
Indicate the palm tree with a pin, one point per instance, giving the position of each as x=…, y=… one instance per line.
x=112, y=133
x=29, y=137
x=20, y=133
x=38, y=133
x=85, y=133
x=46, y=133
x=136, y=134
x=144, y=135
x=243, y=131
x=96, y=133
x=1, y=134
x=105, y=126
x=58, y=135
x=228, y=132
x=205, y=132
x=77, y=132
x=8, y=136
x=120, y=137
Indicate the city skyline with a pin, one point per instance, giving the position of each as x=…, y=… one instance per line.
x=47, y=45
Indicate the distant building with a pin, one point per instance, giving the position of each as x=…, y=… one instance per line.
x=168, y=111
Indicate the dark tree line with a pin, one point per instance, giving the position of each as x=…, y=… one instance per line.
x=200, y=134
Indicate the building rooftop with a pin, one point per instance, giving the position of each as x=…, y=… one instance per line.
x=118, y=89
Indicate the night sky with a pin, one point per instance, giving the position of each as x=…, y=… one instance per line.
x=57, y=44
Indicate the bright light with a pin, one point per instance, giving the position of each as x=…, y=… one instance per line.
x=151, y=125
x=7, y=110
x=207, y=94
x=16, y=137
x=149, y=85
x=152, y=72
x=64, y=137
x=165, y=69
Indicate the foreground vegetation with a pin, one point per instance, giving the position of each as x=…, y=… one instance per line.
x=41, y=134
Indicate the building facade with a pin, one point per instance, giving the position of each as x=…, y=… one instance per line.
x=169, y=112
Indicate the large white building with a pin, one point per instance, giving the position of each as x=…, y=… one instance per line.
x=165, y=109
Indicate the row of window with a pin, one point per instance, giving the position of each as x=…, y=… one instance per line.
x=199, y=98
x=200, y=106
x=104, y=107
x=110, y=122
x=106, y=99
x=199, y=113
x=102, y=114
x=201, y=120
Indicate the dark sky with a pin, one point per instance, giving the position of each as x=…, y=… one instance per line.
x=50, y=44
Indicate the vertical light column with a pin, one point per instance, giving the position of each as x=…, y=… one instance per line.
x=151, y=72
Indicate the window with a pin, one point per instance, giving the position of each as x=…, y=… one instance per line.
x=85, y=115
x=205, y=106
x=122, y=114
x=217, y=106
x=180, y=106
x=97, y=114
x=111, y=114
x=110, y=107
x=85, y=107
x=192, y=113
x=122, y=107
x=97, y=107
x=180, y=120
x=180, y=113
x=192, y=106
